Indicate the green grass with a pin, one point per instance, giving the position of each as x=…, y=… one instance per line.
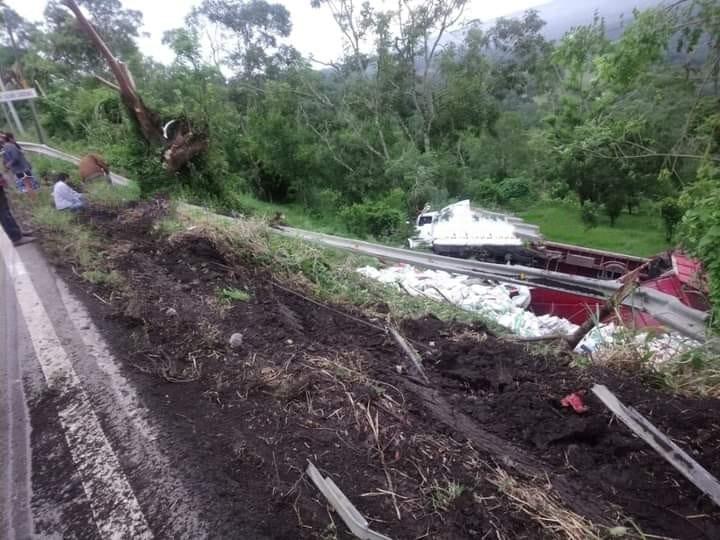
x=296, y=215
x=640, y=234
x=100, y=277
x=233, y=295
x=112, y=195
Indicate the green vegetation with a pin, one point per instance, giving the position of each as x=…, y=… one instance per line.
x=444, y=495
x=331, y=275
x=230, y=295
x=696, y=372
x=112, y=195
x=638, y=234
x=98, y=277
x=499, y=115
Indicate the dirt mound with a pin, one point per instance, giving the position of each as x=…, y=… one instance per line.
x=320, y=383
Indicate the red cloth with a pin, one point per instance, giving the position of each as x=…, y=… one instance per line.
x=575, y=401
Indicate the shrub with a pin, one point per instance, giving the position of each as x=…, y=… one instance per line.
x=614, y=204
x=512, y=189
x=700, y=229
x=590, y=214
x=484, y=191
x=324, y=201
x=378, y=219
x=671, y=213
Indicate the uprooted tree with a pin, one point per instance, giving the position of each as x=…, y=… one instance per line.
x=181, y=144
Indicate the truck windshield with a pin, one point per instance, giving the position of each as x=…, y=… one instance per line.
x=424, y=220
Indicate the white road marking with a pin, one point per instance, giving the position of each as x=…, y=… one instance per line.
x=115, y=508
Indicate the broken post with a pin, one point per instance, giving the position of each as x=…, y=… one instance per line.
x=675, y=455
x=357, y=524
x=628, y=284
x=411, y=353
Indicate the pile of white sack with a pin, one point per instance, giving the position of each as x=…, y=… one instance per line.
x=506, y=305
x=492, y=301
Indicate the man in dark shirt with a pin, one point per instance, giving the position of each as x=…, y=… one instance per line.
x=15, y=162
x=8, y=221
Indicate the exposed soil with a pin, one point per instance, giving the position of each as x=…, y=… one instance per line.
x=313, y=383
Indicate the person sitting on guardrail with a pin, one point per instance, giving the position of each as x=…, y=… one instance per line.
x=65, y=197
x=93, y=167
x=15, y=162
x=9, y=225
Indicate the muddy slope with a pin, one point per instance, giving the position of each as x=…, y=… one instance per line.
x=320, y=383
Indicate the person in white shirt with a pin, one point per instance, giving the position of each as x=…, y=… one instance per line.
x=65, y=197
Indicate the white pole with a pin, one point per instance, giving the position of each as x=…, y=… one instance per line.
x=13, y=112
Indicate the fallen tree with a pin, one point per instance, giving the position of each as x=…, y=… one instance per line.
x=185, y=142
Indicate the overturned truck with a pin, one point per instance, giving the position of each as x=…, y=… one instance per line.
x=568, y=281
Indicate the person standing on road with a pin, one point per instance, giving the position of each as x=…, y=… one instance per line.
x=93, y=167
x=15, y=162
x=12, y=229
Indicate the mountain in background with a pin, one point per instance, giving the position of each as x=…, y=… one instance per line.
x=562, y=15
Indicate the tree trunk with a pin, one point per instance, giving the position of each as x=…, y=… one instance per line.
x=148, y=121
x=184, y=145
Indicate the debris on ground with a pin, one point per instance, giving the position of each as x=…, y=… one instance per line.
x=575, y=401
x=506, y=305
x=485, y=451
x=675, y=455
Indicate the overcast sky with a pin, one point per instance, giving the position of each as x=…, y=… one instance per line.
x=314, y=31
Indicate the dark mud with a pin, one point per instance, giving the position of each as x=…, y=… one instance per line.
x=310, y=383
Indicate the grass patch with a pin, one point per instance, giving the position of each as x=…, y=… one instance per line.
x=638, y=234
x=65, y=237
x=296, y=215
x=334, y=278
x=444, y=495
x=114, y=196
x=49, y=219
x=539, y=503
x=100, y=277
x=330, y=274
x=229, y=295
x=695, y=373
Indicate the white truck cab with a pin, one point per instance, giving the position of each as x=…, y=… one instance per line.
x=423, y=236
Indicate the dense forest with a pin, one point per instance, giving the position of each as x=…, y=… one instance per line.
x=423, y=107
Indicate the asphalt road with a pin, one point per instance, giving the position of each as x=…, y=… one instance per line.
x=79, y=454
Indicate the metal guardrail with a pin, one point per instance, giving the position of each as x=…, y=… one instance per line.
x=663, y=307
x=45, y=150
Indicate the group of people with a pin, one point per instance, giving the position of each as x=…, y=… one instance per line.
x=91, y=168
x=18, y=167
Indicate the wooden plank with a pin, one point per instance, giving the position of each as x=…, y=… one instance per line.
x=411, y=353
x=675, y=455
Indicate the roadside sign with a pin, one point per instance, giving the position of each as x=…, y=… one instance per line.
x=18, y=95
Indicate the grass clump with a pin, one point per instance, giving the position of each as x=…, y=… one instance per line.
x=539, y=503
x=49, y=219
x=232, y=294
x=114, y=196
x=444, y=495
x=695, y=372
x=100, y=277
